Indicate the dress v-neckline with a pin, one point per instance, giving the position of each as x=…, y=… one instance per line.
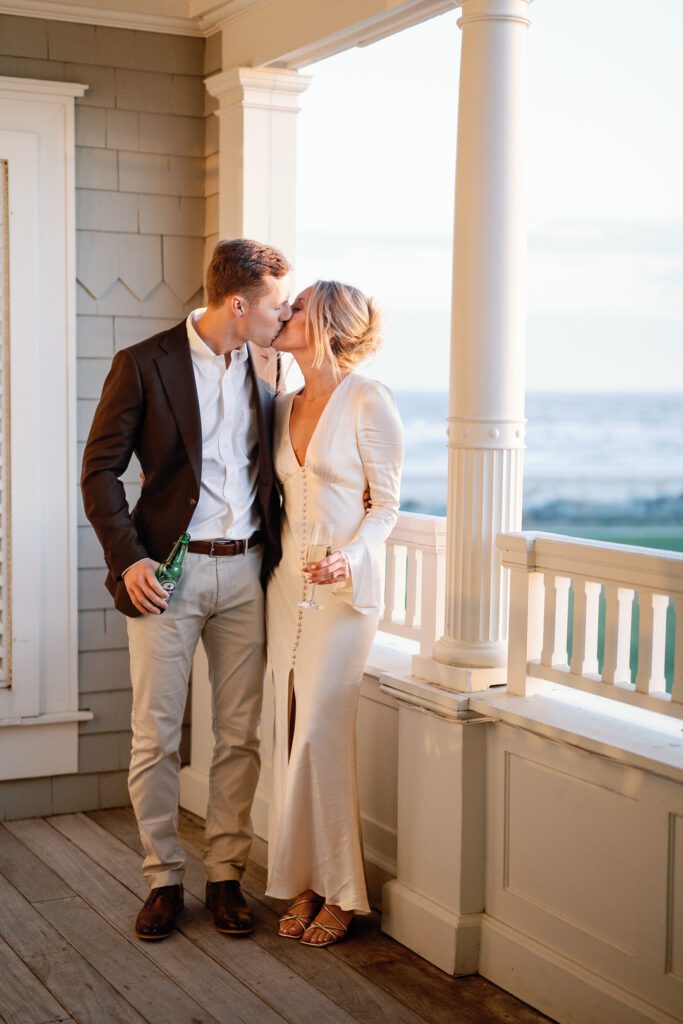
x=315, y=429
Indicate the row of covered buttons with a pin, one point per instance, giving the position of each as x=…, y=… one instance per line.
x=302, y=555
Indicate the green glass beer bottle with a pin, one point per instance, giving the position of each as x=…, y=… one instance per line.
x=171, y=569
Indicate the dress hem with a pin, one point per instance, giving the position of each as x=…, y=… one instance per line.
x=359, y=907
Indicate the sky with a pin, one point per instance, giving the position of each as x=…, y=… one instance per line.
x=604, y=155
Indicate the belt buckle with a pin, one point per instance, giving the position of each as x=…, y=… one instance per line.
x=210, y=549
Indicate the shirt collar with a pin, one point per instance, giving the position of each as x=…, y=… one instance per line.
x=202, y=355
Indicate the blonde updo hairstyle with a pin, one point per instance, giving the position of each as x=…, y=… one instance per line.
x=342, y=323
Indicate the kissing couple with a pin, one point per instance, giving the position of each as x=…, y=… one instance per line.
x=282, y=568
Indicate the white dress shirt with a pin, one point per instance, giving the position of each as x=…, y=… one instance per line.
x=227, y=495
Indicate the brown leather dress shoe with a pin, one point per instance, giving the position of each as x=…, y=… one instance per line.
x=157, y=918
x=231, y=915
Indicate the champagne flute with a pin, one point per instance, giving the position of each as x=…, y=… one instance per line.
x=319, y=546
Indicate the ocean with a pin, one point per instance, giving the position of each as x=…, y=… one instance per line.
x=607, y=466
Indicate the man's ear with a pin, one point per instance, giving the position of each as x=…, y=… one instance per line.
x=237, y=305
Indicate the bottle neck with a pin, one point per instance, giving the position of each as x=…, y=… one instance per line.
x=178, y=553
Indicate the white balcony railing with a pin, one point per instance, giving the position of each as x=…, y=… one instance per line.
x=414, y=580
x=573, y=611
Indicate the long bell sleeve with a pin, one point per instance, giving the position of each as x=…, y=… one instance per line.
x=379, y=435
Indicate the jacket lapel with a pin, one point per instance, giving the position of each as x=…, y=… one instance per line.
x=263, y=397
x=174, y=364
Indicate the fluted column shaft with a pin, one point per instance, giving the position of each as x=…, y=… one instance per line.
x=486, y=408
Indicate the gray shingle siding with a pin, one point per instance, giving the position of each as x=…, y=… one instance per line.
x=143, y=139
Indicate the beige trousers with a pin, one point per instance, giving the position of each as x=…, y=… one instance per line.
x=219, y=599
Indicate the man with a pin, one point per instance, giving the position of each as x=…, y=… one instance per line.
x=190, y=404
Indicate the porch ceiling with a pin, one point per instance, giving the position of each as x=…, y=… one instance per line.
x=263, y=32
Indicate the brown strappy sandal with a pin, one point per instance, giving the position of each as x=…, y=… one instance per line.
x=303, y=919
x=336, y=932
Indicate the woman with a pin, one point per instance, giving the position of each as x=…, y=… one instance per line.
x=333, y=437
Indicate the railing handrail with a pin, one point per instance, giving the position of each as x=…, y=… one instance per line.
x=419, y=529
x=612, y=563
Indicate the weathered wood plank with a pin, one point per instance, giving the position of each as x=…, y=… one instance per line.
x=23, y=1000
x=22, y=927
x=28, y=873
x=63, y=971
x=213, y=988
x=82, y=989
x=127, y=969
x=252, y=966
x=348, y=989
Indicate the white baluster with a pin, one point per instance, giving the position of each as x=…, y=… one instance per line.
x=677, y=689
x=549, y=618
x=382, y=580
x=412, y=586
x=562, y=584
x=590, y=658
x=398, y=611
x=578, y=627
x=660, y=605
x=432, y=600
x=389, y=582
x=555, y=620
x=612, y=608
x=625, y=597
x=644, y=673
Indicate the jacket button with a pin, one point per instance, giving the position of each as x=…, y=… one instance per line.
x=193, y=501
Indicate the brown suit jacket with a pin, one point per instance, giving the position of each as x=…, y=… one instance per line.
x=149, y=407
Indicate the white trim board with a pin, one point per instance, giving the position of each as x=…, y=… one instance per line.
x=37, y=141
x=204, y=18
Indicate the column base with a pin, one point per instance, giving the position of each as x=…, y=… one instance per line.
x=447, y=940
x=460, y=678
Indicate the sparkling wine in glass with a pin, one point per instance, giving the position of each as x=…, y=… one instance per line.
x=319, y=546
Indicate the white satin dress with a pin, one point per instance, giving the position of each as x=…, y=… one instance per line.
x=314, y=831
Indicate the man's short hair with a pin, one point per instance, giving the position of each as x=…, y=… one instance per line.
x=239, y=266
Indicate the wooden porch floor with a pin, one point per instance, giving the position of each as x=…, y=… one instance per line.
x=70, y=888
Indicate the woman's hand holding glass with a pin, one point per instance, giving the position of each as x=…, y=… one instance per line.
x=333, y=568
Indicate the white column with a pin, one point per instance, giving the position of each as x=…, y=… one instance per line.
x=257, y=115
x=486, y=416
x=435, y=904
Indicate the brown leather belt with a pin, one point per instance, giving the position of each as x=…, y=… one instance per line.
x=225, y=547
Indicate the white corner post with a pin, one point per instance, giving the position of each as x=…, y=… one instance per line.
x=436, y=903
x=257, y=114
x=486, y=415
